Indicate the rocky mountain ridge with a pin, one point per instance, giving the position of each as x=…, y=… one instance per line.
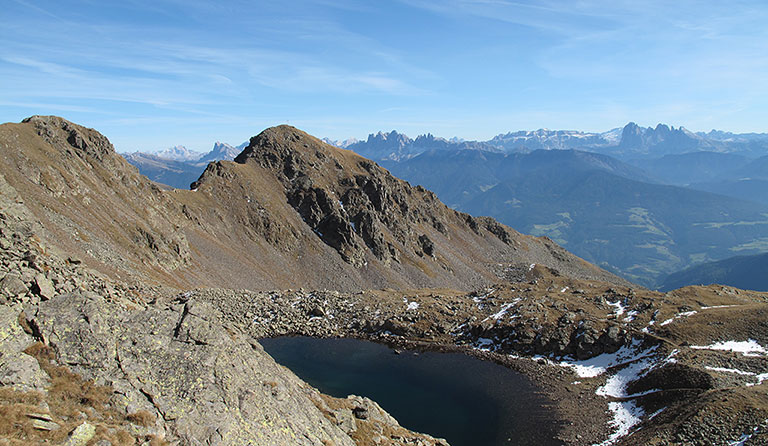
x=627, y=143
x=288, y=204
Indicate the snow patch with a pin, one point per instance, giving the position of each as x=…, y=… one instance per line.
x=759, y=377
x=616, y=385
x=727, y=370
x=504, y=308
x=749, y=347
x=488, y=293
x=484, y=344
x=590, y=368
x=619, y=308
x=681, y=315
x=410, y=306
x=626, y=415
x=631, y=315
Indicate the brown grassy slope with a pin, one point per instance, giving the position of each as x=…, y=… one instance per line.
x=91, y=203
x=291, y=212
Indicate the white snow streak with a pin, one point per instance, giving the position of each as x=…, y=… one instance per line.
x=590, y=368
x=749, y=347
x=684, y=314
x=625, y=416
x=504, y=308
x=619, y=308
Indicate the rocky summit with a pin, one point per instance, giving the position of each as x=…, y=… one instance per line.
x=130, y=314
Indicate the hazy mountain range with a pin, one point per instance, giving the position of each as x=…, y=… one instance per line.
x=627, y=143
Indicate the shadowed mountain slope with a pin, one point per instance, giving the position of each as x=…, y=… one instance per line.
x=746, y=272
x=599, y=208
x=290, y=211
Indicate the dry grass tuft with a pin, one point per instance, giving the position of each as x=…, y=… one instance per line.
x=154, y=440
x=71, y=400
x=71, y=392
x=22, y=320
x=141, y=418
x=15, y=425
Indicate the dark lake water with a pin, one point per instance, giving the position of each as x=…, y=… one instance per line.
x=467, y=401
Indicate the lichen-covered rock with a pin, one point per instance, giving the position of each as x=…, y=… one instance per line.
x=12, y=284
x=17, y=369
x=81, y=435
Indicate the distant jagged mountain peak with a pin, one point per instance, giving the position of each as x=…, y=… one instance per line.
x=220, y=151
x=342, y=144
x=384, y=146
x=662, y=140
x=179, y=153
x=545, y=139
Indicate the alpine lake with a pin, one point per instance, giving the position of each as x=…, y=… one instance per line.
x=467, y=401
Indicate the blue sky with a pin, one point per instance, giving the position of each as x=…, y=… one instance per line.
x=151, y=74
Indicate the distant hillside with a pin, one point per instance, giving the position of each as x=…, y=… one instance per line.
x=599, y=208
x=745, y=189
x=692, y=167
x=460, y=175
x=745, y=272
x=744, y=179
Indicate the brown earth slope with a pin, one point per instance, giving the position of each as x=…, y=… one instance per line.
x=290, y=212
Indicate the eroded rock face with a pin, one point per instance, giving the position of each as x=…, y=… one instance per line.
x=349, y=202
x=206, y=382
